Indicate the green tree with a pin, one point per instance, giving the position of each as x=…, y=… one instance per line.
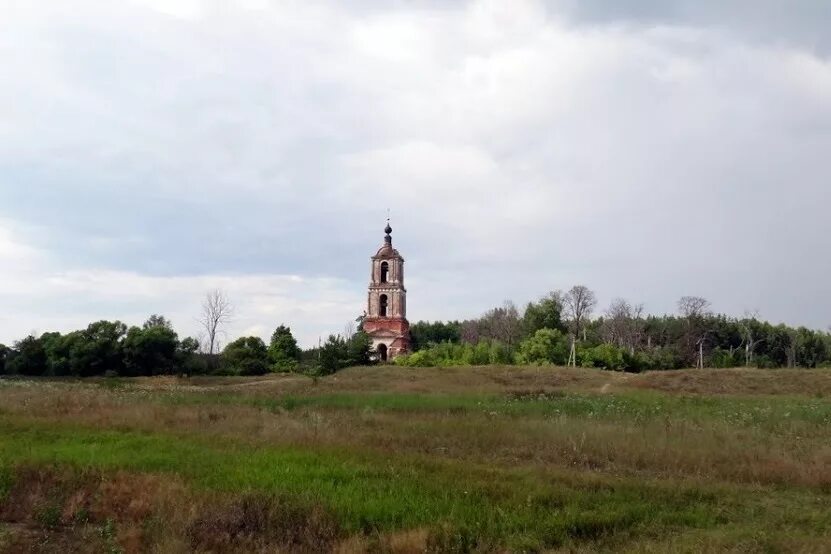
x=283, y=351
x=334, y=354
x=151, y=349
x=246, y=356
x=359, y=349
x=58, y=348
x=425, y=333
x=500, y=353
x=97, y=349
x=156, y=320
x=546, y=346
x=4, y=355
x=188, y=358
x=546, y=313
x=27, y=358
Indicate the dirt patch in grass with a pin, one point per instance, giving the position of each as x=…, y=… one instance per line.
x=80, y=539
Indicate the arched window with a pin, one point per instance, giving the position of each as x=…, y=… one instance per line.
x=385, y=269
x=383, y=310
x=382, y=352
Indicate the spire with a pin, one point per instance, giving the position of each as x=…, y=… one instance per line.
x=388, y=231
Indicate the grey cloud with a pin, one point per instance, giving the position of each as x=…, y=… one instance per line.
x=803, y=23
x=674, y=151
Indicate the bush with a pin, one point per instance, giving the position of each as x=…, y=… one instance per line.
x=603, y=356
x=338, y=352
x=546, y=346
x=447, y=354
x=246, y=356
x=664, y=357
x=724, y=358
x=416, y=359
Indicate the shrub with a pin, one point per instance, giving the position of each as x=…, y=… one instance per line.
x=724, y=358
x=604, y=356
x=246, y=356
x=453, y=354
x=546, y=346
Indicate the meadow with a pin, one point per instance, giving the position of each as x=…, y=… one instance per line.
x=390, y=459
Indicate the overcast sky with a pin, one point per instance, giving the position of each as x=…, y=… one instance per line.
x=151, y=150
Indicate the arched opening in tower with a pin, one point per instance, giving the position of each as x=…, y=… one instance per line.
x=385, y=270
x=382, y=352
x=383, y=309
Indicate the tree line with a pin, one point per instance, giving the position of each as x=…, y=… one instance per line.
x=154, y=348
x=561, y=328
x=110, y=348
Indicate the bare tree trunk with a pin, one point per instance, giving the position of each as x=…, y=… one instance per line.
x=216, y=311
x=572, y=356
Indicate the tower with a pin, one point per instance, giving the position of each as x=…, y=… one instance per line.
x=386, y=315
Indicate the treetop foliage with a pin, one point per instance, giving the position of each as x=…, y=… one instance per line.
x=622, y=338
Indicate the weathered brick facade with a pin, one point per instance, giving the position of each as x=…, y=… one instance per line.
x=386, y=317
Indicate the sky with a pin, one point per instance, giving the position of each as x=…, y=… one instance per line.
x=153, y=150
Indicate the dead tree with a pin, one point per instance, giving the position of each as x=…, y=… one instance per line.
x=792, y=350
x=623, y=324
x=504, y=323
x=692, y=307
x=750, y=339
x=616, y=320
x=579, y=303
x=694, y=311
x=216, y=312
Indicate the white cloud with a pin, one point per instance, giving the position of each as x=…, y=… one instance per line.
x=519, y=150
x=38, y=296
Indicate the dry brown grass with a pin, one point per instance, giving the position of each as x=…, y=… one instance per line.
x=503, y=379
x=393, y=379
x=58, y=511
x=665, y=447
x=807, y=382
x=47, y=508
x=484, y=379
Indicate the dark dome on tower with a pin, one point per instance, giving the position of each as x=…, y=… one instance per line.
x=386, y=250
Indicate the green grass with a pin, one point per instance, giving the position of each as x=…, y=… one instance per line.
x=768, y=412
x=633, y=468
x=380, y=493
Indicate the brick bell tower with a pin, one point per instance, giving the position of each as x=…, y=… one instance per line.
x=386, y=318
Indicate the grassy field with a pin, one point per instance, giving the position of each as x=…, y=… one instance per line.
x=402, y=460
